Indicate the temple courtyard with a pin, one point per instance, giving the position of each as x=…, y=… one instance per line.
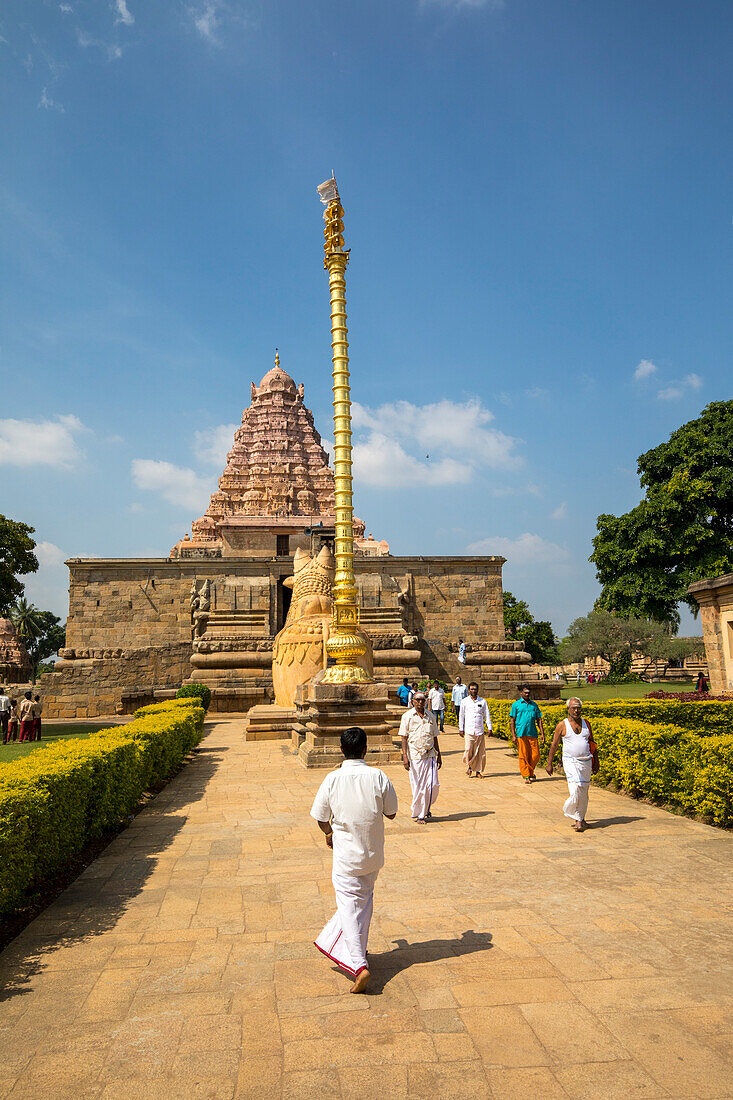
x=510, y=956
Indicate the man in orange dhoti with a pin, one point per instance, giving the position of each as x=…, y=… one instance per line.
x=525, y=718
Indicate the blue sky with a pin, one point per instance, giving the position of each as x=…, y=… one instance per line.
x=539, y=209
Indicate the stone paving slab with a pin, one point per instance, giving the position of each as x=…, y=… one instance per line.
x=512, y=957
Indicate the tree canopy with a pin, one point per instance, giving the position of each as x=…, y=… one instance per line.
x=16, y=559
x=537, y=635
x=682, y=531
x=616, y=640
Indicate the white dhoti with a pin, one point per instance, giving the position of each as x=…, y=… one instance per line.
x=344, y=939
x=578, y=773
x=424, y=784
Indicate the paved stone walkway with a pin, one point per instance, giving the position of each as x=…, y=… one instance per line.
x=512, y=957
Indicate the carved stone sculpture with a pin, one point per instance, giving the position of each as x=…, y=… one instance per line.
x=299, y=649
x=200, y=603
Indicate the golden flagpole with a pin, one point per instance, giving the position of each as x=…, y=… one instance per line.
x=347, y=643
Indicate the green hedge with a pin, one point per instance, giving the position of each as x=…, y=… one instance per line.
x=703, y=717
x=667, y=764
x=64, y=795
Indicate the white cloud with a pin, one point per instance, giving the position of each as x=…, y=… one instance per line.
x=48, y=588
x=49, y=555
x=527, y=549
x=124, y=15
x=212, y=445
x=644, y=370
x=495, y=5
x=560, y=512
x=537, y=393
x=48, y=103
x=40, y=442
x=679, y=389
x=206, y=20
x=66, y=9
x=86, y=41
x=176, y=484
x=384, y=462
x=440, y=443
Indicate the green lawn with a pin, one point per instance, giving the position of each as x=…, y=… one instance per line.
x=49, y=733
x=598, y=693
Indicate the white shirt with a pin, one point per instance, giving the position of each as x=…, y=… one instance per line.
x=437, y=699
x=4, y=704
x=420, y=734
x=474, y=712
x=460, y=691
x=355, y=797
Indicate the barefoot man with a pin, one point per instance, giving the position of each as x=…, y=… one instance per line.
x=471, y=717
x=421, y=756
x=350, y=808
x=525, y=723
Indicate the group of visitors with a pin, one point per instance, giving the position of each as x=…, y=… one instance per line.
x=353, y=800
x=20, y=722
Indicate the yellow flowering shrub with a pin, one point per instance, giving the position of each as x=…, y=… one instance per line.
x=66, y=793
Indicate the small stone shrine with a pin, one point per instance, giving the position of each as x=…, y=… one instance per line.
x=15, y=664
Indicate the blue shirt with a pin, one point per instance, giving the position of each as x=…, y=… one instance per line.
x=403, y=693
x=526, y=716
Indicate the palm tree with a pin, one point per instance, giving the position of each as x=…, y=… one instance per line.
x=25, y=617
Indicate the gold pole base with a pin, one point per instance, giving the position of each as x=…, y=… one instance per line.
x=346, y=674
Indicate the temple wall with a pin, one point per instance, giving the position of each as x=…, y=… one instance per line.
x=93, y=688
x=129, y=626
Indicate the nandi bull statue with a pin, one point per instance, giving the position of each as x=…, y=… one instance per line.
x=299, y=650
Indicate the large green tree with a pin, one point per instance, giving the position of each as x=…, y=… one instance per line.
x=16, y=559
x=537, y=635
x=681, y=531
x=616, y=640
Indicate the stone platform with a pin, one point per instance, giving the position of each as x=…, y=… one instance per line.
x=513, y=959
x=268, y=722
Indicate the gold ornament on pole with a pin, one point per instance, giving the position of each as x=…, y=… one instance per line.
x=347, y=643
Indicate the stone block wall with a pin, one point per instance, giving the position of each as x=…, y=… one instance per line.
x=95, y=687
x=129, y=624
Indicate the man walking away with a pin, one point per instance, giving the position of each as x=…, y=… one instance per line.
x=403, y=692
x=421, y=756
x=524, y=719
x=26, y=718
x=459, y=691
x=4, y=714
x=474, y=712
x=437, y=704
x=350, y=808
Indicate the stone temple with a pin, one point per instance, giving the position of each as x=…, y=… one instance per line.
x=139, y=627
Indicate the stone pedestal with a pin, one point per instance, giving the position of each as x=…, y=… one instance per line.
x=323, y=711
x=269, y=723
